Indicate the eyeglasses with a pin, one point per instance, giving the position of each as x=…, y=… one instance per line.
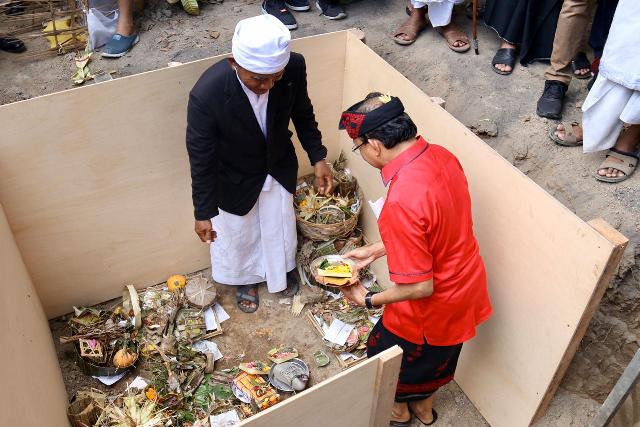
x=357, y=147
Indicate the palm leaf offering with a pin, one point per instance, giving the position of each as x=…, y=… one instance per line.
x=338, y=207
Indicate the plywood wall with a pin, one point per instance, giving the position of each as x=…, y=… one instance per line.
x=359, y=397
x=97, y=187
x=545, y=265
x=32, y=392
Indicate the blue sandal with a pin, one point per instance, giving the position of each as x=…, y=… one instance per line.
x=119, y=45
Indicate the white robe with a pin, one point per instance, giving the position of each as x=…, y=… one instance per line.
x=439, y=11
x=614, y=98
x=261, y=245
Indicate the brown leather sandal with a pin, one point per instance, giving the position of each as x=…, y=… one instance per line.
x=454, y=35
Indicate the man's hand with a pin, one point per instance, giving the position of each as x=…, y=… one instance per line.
x=362, y=256
x=324, y=177
x=205, y=231
x=355, y=293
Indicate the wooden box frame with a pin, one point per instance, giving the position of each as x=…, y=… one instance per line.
x=95, y=193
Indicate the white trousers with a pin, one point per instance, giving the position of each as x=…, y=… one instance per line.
x=440, y=11
x=607, y=107
x=259, y=246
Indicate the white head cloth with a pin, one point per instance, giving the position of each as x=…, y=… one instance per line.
x=261, y=44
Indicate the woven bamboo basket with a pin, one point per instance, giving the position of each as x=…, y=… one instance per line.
x=326, y=232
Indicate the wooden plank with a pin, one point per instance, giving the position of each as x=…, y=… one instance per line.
x=341, y=401
x=619, y=243
x=545, y=266
x=32, y=392
x=97, y=188
x=385, y=388
x=621, y=391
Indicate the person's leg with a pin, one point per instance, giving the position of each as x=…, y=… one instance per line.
x=572, y=25
x=601, y=24
x=125, y=18
x=400, y=412
x=423, y=409
x=125, y=37
x=413, y=26
x=440, y=15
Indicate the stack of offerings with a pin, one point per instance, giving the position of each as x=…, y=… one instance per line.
x=328, y=217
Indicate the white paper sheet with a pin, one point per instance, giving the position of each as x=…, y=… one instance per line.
x=225, y=419
x=210, y=320
x=339, y=332
x=111, y=380
x=373, y=319
x=377, y=206
x=206, y=346
x=220, y=313
x=345, y=356
x=139, y=383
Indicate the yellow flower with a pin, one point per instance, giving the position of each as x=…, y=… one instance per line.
x=385, y=98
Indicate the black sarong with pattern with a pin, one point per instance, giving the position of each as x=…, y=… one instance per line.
x=424, y=368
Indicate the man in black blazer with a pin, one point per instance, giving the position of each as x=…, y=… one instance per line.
x=243, y=163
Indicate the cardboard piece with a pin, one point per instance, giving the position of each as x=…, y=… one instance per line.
x=92, y=207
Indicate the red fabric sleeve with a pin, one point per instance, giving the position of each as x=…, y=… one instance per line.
x=405, y=238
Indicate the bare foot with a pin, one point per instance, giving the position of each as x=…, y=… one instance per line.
x=400, y=412
x=577, y=131
x=423, y=409
x=582, y=71
x=504, y=67
x=456, y=38
x=413, y=26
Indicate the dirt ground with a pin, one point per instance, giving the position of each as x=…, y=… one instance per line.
x=249, y=336
x=472, y=92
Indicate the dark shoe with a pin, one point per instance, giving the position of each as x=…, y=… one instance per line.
x=330, y=9
x=279, y=9
x=552, y=99
x=11, y=44
x=298, y=5
x=119, y=45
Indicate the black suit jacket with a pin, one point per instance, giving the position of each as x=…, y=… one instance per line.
x=229, y=155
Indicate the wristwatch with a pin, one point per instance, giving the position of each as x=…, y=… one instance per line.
x=367, y=301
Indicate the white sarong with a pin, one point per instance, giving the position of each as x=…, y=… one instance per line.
x=259, y=246
x=439, y=11
x=607, y=107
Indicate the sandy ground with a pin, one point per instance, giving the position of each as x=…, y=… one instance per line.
x=472, y=92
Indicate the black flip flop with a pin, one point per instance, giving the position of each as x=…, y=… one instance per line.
x=293, y=284
x=579, y=62
x=11, y=44
x=242, y=294
x=504, y=56
x=434, y=414
x=401, y=423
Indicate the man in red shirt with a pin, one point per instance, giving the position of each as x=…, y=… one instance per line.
x=440, y=293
